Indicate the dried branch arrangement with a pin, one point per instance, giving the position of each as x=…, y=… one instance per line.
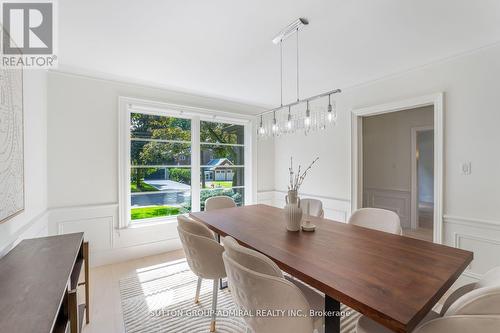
x=297, y=179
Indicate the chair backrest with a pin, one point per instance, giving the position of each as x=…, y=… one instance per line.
x=483, y=299
x=253, y=291
x=194, y=227
x=219, y=202
x=378, y=219
x=250, y=259
x=313, y=207
x=203, y=252
x=461, y=324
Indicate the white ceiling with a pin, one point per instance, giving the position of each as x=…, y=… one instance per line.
x=223, y=48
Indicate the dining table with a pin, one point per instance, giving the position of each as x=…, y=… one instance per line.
x=392, y=279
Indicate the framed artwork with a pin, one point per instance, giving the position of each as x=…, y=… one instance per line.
x=11, y=143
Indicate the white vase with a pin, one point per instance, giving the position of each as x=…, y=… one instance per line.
x=293, y=212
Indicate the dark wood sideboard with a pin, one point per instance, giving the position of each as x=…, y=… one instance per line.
x=39, y=285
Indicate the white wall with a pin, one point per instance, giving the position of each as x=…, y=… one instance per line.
x=387, y=148
x=83, y=163
x=471, y=111
x=33, y=221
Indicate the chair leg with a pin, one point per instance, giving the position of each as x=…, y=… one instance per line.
x=198, y=287
x=214, y=304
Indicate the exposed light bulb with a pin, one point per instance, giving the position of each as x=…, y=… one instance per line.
x=330, y=114
x=275, y=123
x=289, y=121
x=307, y=119
x=262, y=131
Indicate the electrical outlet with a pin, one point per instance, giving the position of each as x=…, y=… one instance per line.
x=465, y=168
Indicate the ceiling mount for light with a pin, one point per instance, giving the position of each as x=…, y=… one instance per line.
x=311, y=120
x=289, y=30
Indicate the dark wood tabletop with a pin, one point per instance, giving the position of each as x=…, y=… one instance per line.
x=33, y=279
x=392, y=279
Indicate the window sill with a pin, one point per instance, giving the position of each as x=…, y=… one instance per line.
x=152, y=222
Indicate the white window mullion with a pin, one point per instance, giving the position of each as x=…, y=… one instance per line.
x=124, y=165
x=195, y=164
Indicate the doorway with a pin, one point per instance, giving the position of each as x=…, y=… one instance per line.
x=386, y=183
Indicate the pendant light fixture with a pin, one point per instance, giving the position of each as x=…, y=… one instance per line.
x=312, y=118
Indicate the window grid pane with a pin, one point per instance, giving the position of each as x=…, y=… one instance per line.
x=222, y=161
x=160, y=170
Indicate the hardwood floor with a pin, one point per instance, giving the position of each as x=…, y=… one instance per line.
x=425, y=224
x=106, y=311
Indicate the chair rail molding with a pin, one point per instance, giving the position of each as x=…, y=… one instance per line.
x=357, y=114
x=36, y=227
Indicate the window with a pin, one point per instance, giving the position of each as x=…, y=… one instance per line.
x=171, y=161
x=222, y=152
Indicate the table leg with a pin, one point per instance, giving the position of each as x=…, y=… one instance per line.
x=332, y=321
x=222, y=283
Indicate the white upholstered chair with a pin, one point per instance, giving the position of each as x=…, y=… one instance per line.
x=257, y=283
x=204, y=256
x=312, y=207
x=378, y=219
x=472, y=308
x=219, y=202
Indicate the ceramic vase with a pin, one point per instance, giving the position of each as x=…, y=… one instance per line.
x=293, y=212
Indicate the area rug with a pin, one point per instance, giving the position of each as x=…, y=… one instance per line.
x=159, y=299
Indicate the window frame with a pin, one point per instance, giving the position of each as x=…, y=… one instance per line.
x=128, y=105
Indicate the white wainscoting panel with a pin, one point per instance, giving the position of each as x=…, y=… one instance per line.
x=98, y=231
x=396, y=200
x=107, y=243
x=479, y=236
x=335, y=209
x=266, y=198
x=111, y=245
